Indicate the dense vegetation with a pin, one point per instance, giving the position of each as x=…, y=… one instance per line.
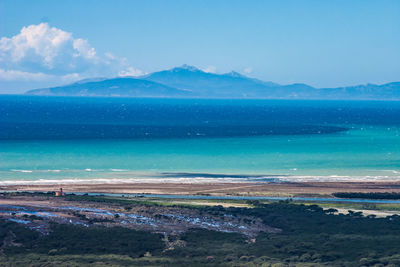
x=70, y=239
x=371, y=195
x=310, y=236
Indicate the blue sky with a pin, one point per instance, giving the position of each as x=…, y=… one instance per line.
x=321, y=43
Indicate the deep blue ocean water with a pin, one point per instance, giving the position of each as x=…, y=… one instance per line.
x=75, y=139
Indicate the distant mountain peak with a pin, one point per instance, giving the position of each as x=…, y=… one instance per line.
x=186, y=67
x=189, y=81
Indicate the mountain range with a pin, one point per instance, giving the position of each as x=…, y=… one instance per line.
x=191, y=82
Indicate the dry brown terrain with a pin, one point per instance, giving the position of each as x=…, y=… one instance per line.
x=256, y=189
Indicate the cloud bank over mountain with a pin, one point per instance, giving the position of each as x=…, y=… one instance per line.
x=40, y=53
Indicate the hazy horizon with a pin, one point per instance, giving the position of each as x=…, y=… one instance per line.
x=89, y=79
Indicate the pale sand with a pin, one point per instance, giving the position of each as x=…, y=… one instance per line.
x=243, y=188
x=377, y=213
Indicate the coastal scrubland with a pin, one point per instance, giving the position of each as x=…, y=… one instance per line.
x=309, y=235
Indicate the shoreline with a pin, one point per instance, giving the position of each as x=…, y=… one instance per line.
x=288, y=189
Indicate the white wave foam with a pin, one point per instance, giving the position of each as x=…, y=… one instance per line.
x=200, y=180
x=33, y=171
x=340, y=178
x=392, y=171
x=120, y=181
x=26, y=171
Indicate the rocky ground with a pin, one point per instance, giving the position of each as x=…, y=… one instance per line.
x=37, y=212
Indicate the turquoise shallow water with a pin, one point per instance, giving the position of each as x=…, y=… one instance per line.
x=366, y=153
x=101, y=139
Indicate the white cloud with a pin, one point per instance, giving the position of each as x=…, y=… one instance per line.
x=11, y=75
x=210, y=69
x=248, y=70
x=83, y=49
x=44, y=53
x=131, y=72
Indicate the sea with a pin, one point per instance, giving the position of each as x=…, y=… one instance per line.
x=115, y=140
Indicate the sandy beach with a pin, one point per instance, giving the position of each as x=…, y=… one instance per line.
x=256, y=189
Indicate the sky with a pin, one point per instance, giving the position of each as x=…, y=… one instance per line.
x=321, y=43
